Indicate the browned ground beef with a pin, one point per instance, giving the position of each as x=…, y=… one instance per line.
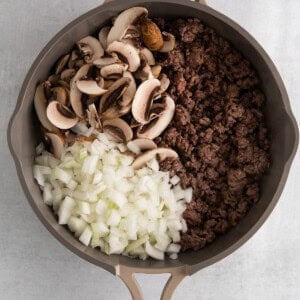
x=218, y=129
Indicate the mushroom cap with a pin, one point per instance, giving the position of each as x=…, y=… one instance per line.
x=152, y=36
x=158, y=125
x=160, y=153
x=111, y=104
x=103, y=33
x=113, y=71
x=128, y=53
x=90, y=87
x=96, y=49
x=57, y=143
x=40, y=105
x=75, y=94
x=169, y=42
x=140, y=145
x=143, y=100
x=60, y=116
x=118, y=129
x=122, y=22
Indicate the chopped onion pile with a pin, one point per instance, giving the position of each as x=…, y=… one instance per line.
x=94, y=190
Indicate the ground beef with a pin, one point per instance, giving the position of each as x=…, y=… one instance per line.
x=218, y=129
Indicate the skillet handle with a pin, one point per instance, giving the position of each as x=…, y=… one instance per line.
x=200, y=1
x=127, y=276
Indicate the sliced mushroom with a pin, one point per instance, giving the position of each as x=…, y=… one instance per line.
x=108, y=84
x=75, y=94
x=114, y=71
x=61, y=63
x=130, y=91
x=72, y=60
x=40, y=105
x=123, y=21
x=118, y=129
x=159, y=153
x=60, y=116
x=61, y=95
x=144, y=73
x=169, y=42
x=158, y=125
x=126, y=53
x=156, y=71
x=103, y=33
x=94, y=45
x=132, y=32
x=90, y=87
x=151, y=35
x=53, y=79
x=67, y=74
x=64, y=84
x=143, y=100
x=57, y=143
x=140, y=145
x=111, y=104
x=105, y=61
x=164, y=85
x=93, y=116
x=148, y=56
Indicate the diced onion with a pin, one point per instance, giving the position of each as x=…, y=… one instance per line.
x=107, y=204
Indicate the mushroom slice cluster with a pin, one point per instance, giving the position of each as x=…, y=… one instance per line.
x=109, y=77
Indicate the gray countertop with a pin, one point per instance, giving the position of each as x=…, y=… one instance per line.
x=33, y=265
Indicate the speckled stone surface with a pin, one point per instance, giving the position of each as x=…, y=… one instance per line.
x=33, y=265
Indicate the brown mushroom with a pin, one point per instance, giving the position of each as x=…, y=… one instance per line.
x=57, y=143
x=123, y=21
x=160, y=123
x=40, y=105
x=159, y=153
x=60, y=116
x=127, y=53
x=118, y=129
x=143, y=100
x=152, y=36
x=140, y=145
x=111, y=104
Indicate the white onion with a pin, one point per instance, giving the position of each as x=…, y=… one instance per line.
x=108, y=204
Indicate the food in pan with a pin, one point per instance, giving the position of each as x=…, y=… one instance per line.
x=153, y=137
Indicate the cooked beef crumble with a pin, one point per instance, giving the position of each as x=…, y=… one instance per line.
x=218, y=129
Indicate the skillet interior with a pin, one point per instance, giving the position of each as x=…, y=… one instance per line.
x=23, y=139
